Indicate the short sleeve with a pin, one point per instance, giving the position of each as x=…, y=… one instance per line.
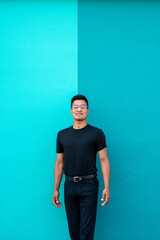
x=59, y=147
x=101, y=140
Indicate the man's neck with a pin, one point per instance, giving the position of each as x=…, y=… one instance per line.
x=79, y=125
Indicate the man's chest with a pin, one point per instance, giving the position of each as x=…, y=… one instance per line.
x=80, y=141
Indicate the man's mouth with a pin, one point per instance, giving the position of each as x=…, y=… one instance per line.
x=78, y=114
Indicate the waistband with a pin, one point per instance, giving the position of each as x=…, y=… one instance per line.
x=80, y=178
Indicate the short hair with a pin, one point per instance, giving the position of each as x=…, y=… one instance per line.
x=79, y=97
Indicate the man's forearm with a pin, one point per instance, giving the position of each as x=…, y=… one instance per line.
x=105, y=166
x=58, y=173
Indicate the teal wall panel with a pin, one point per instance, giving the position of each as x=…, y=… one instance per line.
x=38, y=77
x=118, y=70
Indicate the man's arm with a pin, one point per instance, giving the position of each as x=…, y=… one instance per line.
x=105, y=167
x=58, y=173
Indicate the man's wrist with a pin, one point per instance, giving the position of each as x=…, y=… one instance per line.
x=56, y=190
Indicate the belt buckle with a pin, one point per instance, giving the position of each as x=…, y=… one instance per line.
x=76, y=179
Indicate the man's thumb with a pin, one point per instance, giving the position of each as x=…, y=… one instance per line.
x=102, y=197
x=57, y=200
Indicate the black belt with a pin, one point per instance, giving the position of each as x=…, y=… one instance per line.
x=80, y=178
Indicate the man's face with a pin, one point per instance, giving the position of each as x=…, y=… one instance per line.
x=79, y=110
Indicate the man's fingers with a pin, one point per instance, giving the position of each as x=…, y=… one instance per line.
x=59, y=204
x=103, y=196
x=56, y=202
x=104, y=202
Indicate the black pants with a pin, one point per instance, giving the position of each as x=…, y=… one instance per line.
x=81, y=207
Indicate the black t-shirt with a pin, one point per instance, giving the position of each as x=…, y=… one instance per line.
x=80, y=147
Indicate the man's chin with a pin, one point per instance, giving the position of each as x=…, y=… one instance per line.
x=79, y=119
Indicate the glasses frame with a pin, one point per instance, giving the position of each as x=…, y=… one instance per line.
x=73, y=107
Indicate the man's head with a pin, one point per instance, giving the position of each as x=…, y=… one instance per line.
x=79, y=97
x=79, y=107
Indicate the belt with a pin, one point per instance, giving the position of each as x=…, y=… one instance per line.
x=80, y=178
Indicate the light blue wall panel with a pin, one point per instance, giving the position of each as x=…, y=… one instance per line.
x=38, y=77
x=119, y=72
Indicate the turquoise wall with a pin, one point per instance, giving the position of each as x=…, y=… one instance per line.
x=38, y=76
x=108, y=51
x=119, y=71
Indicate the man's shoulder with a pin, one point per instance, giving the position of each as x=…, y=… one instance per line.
x=64, y=130
x=95, y=128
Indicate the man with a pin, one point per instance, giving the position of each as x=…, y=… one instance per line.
x=76, y=150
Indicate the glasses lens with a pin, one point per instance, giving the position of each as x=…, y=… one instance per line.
x=83, y=106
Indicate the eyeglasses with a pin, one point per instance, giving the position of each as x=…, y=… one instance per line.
x=81, y=106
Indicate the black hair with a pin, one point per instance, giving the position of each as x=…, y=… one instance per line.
x=79, y=97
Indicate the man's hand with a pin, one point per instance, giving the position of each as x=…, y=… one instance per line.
x=55, y=199
x=106, y=195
